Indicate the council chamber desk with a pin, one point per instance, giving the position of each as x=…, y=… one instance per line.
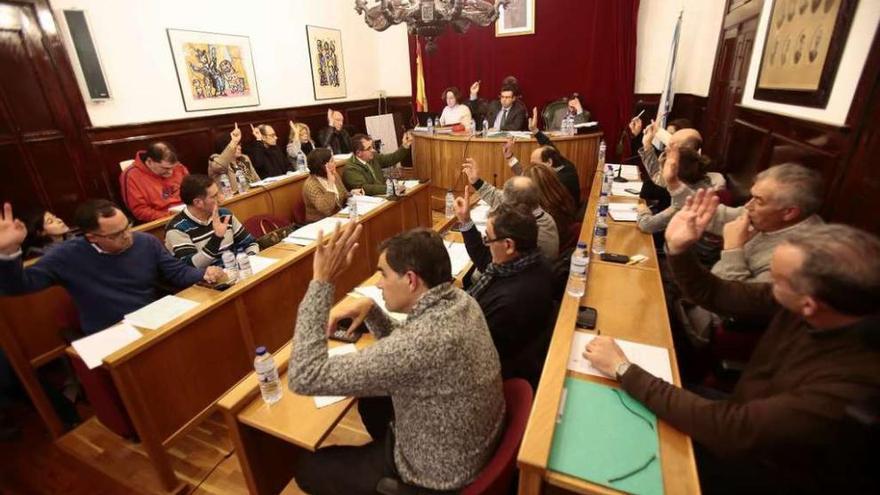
x=439, y=157
x=631, y=305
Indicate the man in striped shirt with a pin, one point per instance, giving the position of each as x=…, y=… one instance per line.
x=201, y=232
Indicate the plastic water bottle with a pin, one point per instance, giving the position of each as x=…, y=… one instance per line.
x=301, y=162
x=225, y=187
x=353, y=209
x=485, y=127
x=600, y=235
x=430, y=125
x=450, y=203
x=242, y=181
x=577, y=273
x=602, y=210
x=267, y=375
x=229, y=265
x=607, y=179
x=244, y=266
x=602, y=150
x=389, y=187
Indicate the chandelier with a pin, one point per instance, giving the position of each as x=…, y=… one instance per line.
x=429, y=18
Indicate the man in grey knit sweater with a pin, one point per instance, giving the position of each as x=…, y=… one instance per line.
x=440, y=369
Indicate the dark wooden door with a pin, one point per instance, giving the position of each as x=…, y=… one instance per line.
x=42, y=114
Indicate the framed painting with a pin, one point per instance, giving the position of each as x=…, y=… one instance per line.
x=328, y=68
x=215, y=71
x=516, y=18
x=802, y=49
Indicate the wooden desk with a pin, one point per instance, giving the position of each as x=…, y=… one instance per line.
x=439, y=157
x=631, y=305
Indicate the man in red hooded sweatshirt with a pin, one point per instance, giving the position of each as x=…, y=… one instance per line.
x=152, y=184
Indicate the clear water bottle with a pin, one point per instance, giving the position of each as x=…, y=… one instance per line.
x=485, y=127
x=242, y=181
x=602, y=150
x=430, y=125
x=229, y=265
x=577, y=273
x=389, y=187
x=353, y=209
x=244, y=266
x=600, y=234
x=450, y=203
x=267, y=375
x=602, y=210
x=301, y=162
x=225, y=186
x=607, y=179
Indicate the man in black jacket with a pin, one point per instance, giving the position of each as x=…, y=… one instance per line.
x=334, y=136
x=515, y=288
x=504, y=114
x=268, y=158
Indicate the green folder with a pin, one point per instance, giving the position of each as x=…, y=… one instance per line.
x=605, y=436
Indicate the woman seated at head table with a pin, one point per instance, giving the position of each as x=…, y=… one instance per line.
x=45, y=231
x=323, y=191
x=300, y=139
x=454, y=112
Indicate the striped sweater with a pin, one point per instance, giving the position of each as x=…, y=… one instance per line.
x=194, y=242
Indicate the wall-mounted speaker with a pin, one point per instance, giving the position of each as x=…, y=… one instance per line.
x=86, y=54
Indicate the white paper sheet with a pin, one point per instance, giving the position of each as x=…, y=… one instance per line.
x=365, y=204
x=382, y=127
x=375, y=294
x=620, y=189
x=309, y=233
x=342, y=157
x=479, y=214
x=629, y=172
x=94, y=348
x=158, y=313
x=260, y=263
x=326, y=400
x=623, y=212
x=653, y=359
x=458, y=256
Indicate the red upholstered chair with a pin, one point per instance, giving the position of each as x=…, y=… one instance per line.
x=496, y=477
x=299, y=213
x=573, y=231
x=260, y=225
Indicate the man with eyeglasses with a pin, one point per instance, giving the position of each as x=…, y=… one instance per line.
x=268, y=158
x=515, y=288
x=109, y=272
x=364, y=169
x=151, y=185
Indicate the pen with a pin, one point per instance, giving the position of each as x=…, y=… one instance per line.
x=640, y=114
x=561, y=405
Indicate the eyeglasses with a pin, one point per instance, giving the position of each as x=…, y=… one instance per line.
x=116, y=235
x=487, y=241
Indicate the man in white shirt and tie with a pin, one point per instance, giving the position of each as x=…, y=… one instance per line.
x=503, y=114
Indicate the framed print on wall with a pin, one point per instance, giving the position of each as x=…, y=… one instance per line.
x=516, y=18
x=214, y=71
x=325, y=55
x=803, y=47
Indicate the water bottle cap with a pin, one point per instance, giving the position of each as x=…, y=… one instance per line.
x=261, y=350
x=582, y=244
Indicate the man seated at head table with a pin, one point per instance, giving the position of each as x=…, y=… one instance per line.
x=503, y=114
x=439, y=368
x=228, y=161
x=780, y=431
x=520, y=191
x=109, y=272
x=268, y=158
x=364, y=169
x=151, y=185
x=515, y=290
x=324, y=194
x=201, y=232
x=334, y=136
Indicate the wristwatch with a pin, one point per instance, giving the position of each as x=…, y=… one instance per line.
x=621, y=370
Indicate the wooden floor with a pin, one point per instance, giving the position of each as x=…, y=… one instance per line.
x=94, y=461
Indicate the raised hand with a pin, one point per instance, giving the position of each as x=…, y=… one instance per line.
x=256, y=132
x=738, y=232
x=407, y=140
x=462, y=206
x=220, y=224
x=235, y=134
x=533, y=121
x=635, y=126
x=475, y=89
x=333, y=255
x=471, y=170
x=330, y=117
x=507, y=148
x=12, y=231
x=648, y=136
x=688, y=225
x=290, y=123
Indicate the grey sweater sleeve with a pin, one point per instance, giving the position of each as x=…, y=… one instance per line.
x=376, y=370
x=650, y=223
x=652, y=165
x=489, y=193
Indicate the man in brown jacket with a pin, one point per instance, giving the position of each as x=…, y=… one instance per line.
x=782, y=429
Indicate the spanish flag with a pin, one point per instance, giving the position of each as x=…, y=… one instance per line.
x=421, y=99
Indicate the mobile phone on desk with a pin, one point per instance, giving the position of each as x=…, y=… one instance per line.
x=632, y=191
x=586, y=317
x=343, y=333
x=614, y=258
x=221, y=286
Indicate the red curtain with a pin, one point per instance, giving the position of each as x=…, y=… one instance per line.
x=583, y=46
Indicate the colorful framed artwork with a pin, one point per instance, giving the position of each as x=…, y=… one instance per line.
x=328, y=68
x=516, y=18
x=214, y=71
x=802, y=49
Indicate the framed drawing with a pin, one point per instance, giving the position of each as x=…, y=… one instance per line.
x=516, y=18
x=328, y=69
x=802, y=49
x=214, y=71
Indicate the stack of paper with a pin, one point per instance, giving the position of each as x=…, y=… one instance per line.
x=158, y=313
x=365, y=204
x=260, y=263
x=94, y=348
x=409, y=184
x=586, y=124
x=309, y=233
x=458, y=256
x=326, y=400
x=630, y=189
x=653, y=359
x=276, y=178
x=623, y=212
x=375, y=294
x=629, y=172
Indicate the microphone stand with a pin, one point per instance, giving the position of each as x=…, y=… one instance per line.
x=618, y=177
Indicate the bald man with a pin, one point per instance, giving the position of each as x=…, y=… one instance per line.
x=334, y=136
x=684, y=138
